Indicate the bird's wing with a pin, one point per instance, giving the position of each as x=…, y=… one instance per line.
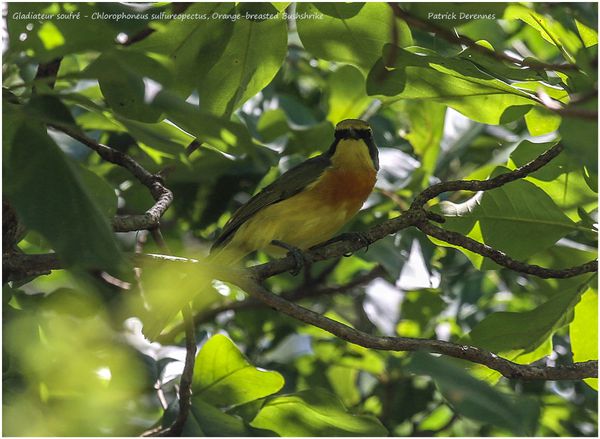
x=286, y=186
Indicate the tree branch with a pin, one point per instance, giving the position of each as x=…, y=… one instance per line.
x=297, y=294
x=485, y=185
x=502, y=258
x=185, y=382
x=449, y=36
x=569, y=110
x=508, y=369
x=162, y=195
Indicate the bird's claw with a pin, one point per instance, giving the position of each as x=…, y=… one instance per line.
x=296, y=253
x=355, y=236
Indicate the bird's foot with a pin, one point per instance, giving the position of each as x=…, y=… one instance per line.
x=359, y=237
x=296, y=253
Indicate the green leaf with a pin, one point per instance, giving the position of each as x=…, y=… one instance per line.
x=247, y=64
x=475, y=399
x=541, y=121
x=347, y=97
x=123, y=77
x=584, y=331
x=162, y=136
x=314, y=412
x=550, y=30
x=220, y=134
x=225, y=378
x=51, y=198
x=100, y=190
x=514, y=335
x=344, y=381
x=227, y=61
x=458, y=83
x=518, y=219
x=272, y=124
x=500, y=69
x=426, y=130
x=308, y=140
x=193, y=46
x=207, y=420
x=563, y=179
x=353, y=33
x=588, y=36
x=580, y=136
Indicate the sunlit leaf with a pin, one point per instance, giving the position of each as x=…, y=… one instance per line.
x=584, y=331
x=224, y=377
x=423, y=75
x=353, y=33
x=315, y=413
x=475, y=399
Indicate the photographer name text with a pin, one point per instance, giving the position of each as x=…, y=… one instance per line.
x=459, y=16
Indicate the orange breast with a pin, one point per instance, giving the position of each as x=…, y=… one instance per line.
x=346, y=188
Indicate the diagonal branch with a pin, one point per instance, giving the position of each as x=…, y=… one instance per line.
x=300, y=293
x=502, y=258
x=485, y=185
x=163, y=196
x=414, y=216
x=508, y=369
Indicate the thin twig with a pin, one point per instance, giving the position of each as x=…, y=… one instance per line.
x=566, y=110
x=185, y=383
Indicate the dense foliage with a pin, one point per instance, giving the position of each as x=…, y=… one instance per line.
x=220, y=104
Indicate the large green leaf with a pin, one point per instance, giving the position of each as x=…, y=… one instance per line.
x=192, y=44
x=475, y=399
x=207, y=420
x=562, y=179
x=123, y=77
x=347, y=97
x=51, y=198
x=551, y=30
x=518, y=219
x=524, y=337
x=353, y=33
x=456, y=82
x=314, y=412
x=426, y=120
x=227, y=60
x=225, y=378
x=580, y=136
x=584, y=330
x=247, y=64
x=215, y=132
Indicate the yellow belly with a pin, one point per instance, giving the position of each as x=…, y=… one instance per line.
x=302, y=221
x=311, y=216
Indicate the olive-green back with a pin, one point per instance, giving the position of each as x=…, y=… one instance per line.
x=287, y=185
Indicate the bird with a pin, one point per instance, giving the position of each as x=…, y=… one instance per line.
x=309, y=203
x=302, y=208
